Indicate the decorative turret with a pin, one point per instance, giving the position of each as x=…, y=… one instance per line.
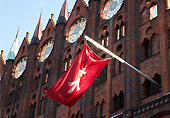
x=63, y=17
x=38, y=32
x=14, y=48
x=3, y=58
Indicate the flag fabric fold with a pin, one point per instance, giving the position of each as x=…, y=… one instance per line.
x=77, y=78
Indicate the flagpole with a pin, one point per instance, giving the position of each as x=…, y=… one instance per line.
x=118, y=58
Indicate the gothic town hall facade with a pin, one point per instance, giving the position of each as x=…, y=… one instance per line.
x=138, y=31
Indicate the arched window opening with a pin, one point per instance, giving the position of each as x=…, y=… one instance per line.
x=150, y=88
x=119, y=18
x=147, y=48
x=120, y=31
x=82, y=43
x=121, y=97
x=119, y=47
x=115, y=103
x=105, y=37
x=153, y=11
x=157, y=88
x=78, y=51
x=68, y=62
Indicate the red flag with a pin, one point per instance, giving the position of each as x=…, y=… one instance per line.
x=78, y=77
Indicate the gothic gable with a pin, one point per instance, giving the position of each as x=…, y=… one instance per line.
x=23, y=50
x=79, y=10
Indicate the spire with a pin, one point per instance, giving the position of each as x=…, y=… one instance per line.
x=63, y=17
x=14, y=48
x=38, y=32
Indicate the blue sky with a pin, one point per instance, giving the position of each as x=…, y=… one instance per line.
x=26, y=14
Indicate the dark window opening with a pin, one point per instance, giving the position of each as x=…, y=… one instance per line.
x=117, y=102
x=150, y=88
x=147, y=48
x=68, y=62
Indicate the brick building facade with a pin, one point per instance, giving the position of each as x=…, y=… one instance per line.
x=139, y=32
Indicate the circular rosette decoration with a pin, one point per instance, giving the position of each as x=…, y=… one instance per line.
x=76, y=30
x=46, y=50
x=111, y=8
x=20, y=67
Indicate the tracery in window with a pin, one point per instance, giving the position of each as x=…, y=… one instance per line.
x=120, y=31
x=104, y=36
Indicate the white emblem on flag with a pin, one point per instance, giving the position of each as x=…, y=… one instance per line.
x=77, y=82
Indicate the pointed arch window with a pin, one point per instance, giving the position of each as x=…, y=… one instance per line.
x=121, y=99
x=153, y=11
x=120, y=31
x=117, y=102
x=147, y=48
x=68, y=62
x=105, y=39
x=150, y=88
x=105, y=36
x=78, y=51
